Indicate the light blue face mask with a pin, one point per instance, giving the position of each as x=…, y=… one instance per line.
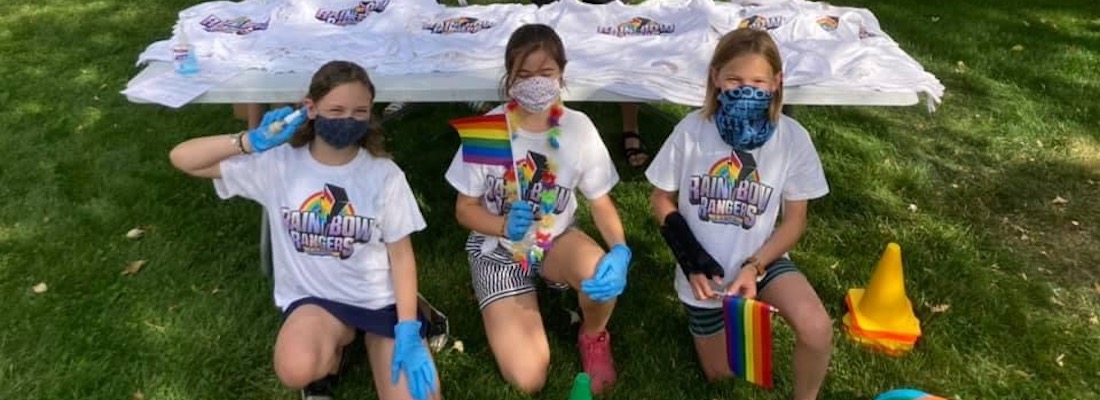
x=742, y=117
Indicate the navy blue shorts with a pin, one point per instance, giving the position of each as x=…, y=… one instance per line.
x=379, y=322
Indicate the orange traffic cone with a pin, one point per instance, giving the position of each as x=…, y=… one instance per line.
x=881, y=316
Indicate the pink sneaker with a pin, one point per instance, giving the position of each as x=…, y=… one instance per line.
x=596, y=360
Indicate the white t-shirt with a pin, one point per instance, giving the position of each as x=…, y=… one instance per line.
x=581, y=163
x=365, y=32
x=730, y=206
x=651, y=37
x=339, y=257
x=225, y=31
x=773, y=16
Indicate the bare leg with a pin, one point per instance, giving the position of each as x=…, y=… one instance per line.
x=309, y=346
x=799, y=305
x=518, y=340
x=380, y=353
x=572, y=260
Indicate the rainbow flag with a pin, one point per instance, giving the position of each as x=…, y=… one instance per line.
x=485, y=139
x=749, y=339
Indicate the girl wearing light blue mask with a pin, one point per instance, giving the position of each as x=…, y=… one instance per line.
x=342, y=214
x=732, y=184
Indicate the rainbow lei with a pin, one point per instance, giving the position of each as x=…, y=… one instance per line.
x=527, y=255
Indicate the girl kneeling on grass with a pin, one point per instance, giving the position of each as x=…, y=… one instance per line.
x=721, y=179
x=557, y=150
x=343, y=260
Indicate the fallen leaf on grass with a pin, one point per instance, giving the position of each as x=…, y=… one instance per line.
x=156, y=327
x=1058, y=200
x=1025, y=237
x=942, y=308
x=134, y=267
x=1075, y=223
x=1023, y=374
x=40, y=288
x=135, y=233
x=1017, y=48
x=1059, y=360
x=835, y=264
x=1094, y=320
x=138, y=396
x=573, y=317
x=935, y=18
x=912, y=207
x=458, y=346
x=1056, y=301
x=1095, y=287
x=960, y=67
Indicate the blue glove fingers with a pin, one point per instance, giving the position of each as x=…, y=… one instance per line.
x=418, y=386
x=395, y=367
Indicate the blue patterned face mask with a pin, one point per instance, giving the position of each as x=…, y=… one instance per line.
x=742, y=117
x=340, y=132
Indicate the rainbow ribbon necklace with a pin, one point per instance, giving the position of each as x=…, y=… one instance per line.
x=532, y=256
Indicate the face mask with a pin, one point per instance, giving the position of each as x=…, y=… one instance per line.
x=535, y=94
x=742, y=117
x=340, y=132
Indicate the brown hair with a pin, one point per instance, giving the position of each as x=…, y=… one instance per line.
x=524, y=41
x=736, y=44
x=328, y=77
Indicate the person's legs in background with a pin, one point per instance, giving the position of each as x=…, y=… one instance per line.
x=633, y=149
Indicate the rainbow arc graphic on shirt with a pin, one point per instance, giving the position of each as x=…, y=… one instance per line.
x=749, y=339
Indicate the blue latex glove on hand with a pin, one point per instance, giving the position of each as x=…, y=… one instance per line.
x=410, y=356
x=262, y=140
x=610, y=278
x=520, y=218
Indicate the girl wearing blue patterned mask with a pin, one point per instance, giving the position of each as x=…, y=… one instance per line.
x=732, y=185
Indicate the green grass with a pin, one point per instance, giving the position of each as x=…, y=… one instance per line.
x=1017, y=129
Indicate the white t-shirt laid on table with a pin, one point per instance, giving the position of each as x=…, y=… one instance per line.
x=365, y=32
x=731, y=202
x=581, y=163
x=647, y=38
x=773, y=16
x=330, y=224
x=223, y=30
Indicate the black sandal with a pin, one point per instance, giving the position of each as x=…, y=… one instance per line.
x=631, y=152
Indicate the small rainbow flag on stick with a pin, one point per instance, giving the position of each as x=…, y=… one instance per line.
x=749, y=339
x=485, y=139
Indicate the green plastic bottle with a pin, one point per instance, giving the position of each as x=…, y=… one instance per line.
x=582, y=388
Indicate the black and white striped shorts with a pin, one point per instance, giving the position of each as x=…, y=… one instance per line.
x=497, y=275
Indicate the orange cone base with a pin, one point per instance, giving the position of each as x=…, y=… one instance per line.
x=892, y=343
x=891, y=346
x=906, y=326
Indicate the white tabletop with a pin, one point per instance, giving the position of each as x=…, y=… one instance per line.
x=257, y=86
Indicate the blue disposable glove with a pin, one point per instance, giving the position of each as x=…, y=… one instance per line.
x=410, y=356
x=262, y=140
x=520, y=218
x=610, y=278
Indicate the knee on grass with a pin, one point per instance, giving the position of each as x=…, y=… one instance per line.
x=527, y=380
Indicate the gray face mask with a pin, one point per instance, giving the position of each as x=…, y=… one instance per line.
x=535, y=94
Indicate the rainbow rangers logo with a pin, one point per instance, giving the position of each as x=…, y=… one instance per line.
x=239, y=25
x=458, y=25
x=637, y=26
x=730, y=193
x=761, y=23
x=828, y=23
x=353, y=15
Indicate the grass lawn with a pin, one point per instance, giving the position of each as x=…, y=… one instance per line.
x=1004, y=278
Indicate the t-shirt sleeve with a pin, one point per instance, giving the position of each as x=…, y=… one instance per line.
x=598, y=174
x=401, y=213
x=468, y=179
x=250, y=176
x=805, y=176
x=666, y=169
